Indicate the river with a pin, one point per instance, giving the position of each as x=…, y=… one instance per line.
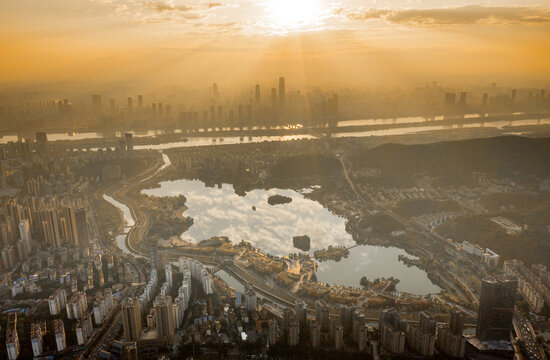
x=407, y=128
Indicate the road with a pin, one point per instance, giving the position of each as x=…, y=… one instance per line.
x=110, y=327
x=141, y=220
x=525, y=332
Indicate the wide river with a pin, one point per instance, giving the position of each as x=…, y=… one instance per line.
x=219, y=211
x=409, y=125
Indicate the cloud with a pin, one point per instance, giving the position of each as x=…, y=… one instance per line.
x=166, y=6
x=463, y=15
x=162, y=6
x=215, y=5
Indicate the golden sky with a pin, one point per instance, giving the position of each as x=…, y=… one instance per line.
x=311, y=41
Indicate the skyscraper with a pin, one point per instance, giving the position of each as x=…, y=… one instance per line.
x=131, y=319
x=293, y=333
x=112, y=106
x=96, y=103
x=456, y=323
x=496, y=308
x=12, y=338
x=250, y=298
x=25, y=230
x=449, y=338
x=59, y=331
x=257, y=95
x=215, y=93
x=494, y=320
x=72, y=226
x=282, y=92
x=166, y=323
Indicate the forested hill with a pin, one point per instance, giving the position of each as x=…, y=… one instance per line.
x=500, y=156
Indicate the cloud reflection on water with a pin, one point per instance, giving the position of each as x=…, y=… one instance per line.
x=220, y=211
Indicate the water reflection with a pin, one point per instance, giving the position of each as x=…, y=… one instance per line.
x=375, y=262
x=219, y=211
x=213, y=140
x=127, y=214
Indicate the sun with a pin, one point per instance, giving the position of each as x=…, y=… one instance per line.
x=293, y=14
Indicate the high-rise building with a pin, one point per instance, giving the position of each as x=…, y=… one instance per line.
x=315, y=334
x=169, y=274
x=496, y=308
x=339, y=337
x=59, y=332
x=273, y=331
x=282, y=92
x=12, y=338
x=41, y=140
x=300, y=308
x=322, y=311
x=166, y=323
x=494, y=320
x=463, y=98
x=129, y=141
x=71, y=226
x=449, y=338
x=293, y=333
x=450, y=99
x=81, y=224
x=96, y=103
x=273, y=99
x=131, y=319
x=140, y=101
x=250, y=301
x=215, y=93
x=36, y=339
x=257, y=95
x=57, y=301
x=25, y=230
x=422, y=337
x=392, y=330
x=456, y=323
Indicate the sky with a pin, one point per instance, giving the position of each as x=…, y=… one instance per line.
x=309, y=41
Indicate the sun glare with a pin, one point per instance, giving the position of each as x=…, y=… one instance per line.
x=293, y=14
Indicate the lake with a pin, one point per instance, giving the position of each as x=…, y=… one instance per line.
x=219, y=211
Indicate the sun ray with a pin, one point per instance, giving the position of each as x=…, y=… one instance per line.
x=292, y=14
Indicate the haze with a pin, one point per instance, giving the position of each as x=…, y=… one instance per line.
x=312, y=42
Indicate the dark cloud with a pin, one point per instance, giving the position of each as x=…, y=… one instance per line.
x=470, y=14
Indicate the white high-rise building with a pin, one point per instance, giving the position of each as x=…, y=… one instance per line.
x=168, y=272
x=57, y=301
x=250, y=301
x=59, y=331
x=12, y=338
x=36, y=340
x=25, y=230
